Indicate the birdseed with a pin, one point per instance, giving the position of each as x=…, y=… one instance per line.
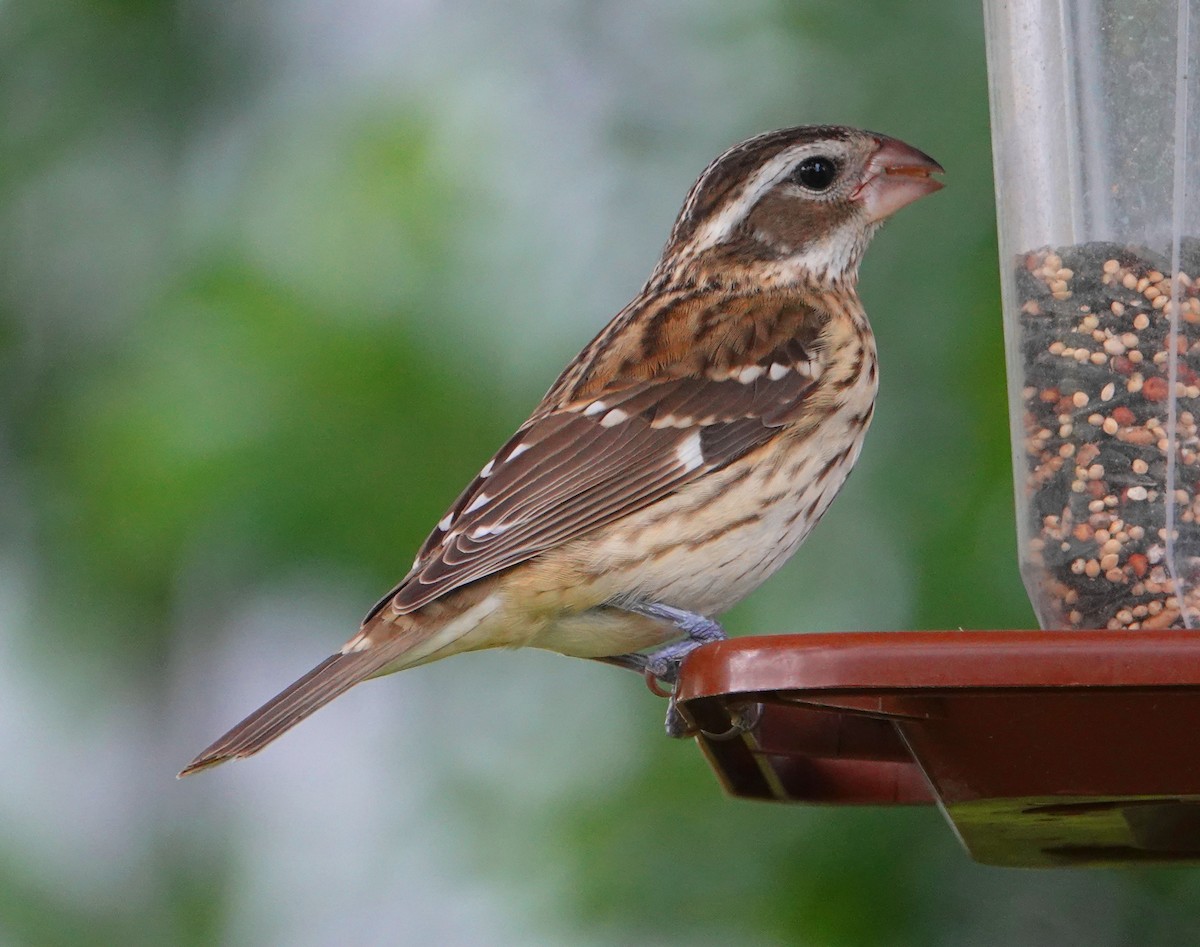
x=1095, y=332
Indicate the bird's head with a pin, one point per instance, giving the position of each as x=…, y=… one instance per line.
x=798, y=203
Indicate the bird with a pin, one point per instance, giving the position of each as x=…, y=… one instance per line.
x=681, y=458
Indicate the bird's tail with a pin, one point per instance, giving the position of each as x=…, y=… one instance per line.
x=333, y=676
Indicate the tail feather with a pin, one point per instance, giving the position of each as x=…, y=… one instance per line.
x=332, y=677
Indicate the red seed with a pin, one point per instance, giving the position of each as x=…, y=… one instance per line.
x=1154, y=388
x=1123, y=416
x=1050, y=394
x=1123, y=365
x=1139, y=564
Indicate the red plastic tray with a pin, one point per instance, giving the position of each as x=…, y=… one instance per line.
x=1043, y=748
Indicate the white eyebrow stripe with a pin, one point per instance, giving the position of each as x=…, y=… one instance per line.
x=719, y=227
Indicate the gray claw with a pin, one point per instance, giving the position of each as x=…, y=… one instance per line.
x=663, y=664
x=676, y=725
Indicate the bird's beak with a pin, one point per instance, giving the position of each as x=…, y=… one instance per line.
x=896, y=175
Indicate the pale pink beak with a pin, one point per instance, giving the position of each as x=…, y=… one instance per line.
x=896, y=175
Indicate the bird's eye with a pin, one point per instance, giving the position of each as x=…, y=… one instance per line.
x=816, y=173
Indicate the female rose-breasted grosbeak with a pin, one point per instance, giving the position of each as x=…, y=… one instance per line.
x=681, y=458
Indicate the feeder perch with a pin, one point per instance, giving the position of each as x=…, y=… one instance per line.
x=1074, y=745
x=1042, y=748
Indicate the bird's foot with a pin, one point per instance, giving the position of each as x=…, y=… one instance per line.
x=663, y=665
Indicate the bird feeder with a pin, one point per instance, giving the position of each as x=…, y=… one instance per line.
x=1073, y=745
x=1096, y=131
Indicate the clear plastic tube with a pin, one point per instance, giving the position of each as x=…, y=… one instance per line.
x=1096, y=139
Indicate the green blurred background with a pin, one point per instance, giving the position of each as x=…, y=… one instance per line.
x=275, y=280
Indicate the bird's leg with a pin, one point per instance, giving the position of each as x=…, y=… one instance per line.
x=663, y=664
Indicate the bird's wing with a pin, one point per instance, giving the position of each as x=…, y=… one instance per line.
x=586, y=464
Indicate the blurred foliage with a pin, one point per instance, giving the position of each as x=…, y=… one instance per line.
x=276, y=281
